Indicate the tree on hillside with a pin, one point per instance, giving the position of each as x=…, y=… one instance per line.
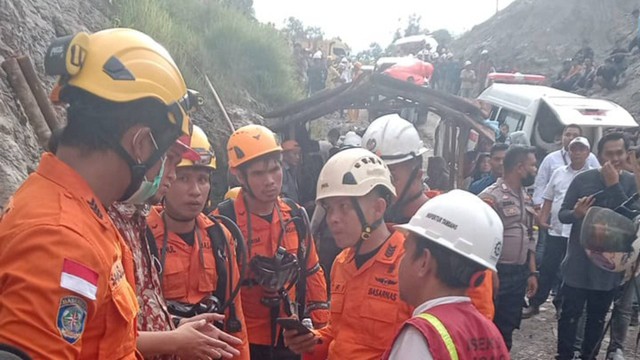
x=244, y=6
x=443, y=37
x=371, y=55
x=293, y=28
x=414, y=25
x=314, y=33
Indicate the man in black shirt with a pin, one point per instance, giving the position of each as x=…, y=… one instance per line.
x=584, y=282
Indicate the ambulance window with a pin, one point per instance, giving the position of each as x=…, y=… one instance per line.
x=514, y=119
x=494, y=112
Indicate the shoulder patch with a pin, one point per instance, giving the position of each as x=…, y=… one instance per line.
x=71, y=319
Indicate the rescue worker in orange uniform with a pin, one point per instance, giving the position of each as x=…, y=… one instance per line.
x=66, y=275
x=284, y=265
x=448, y=247
x=354, y=188
x=398, y=143
x=195, y=256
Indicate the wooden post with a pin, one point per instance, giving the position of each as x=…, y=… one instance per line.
x=39, y=93
x=28, y=101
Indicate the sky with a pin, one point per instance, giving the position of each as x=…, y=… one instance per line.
x=361, y=22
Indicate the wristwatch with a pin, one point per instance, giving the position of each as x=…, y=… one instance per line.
x=535, y=273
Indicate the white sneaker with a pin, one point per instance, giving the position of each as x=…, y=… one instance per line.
x=618, y=355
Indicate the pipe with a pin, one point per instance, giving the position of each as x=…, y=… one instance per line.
x=39, y=93
x=28, y=101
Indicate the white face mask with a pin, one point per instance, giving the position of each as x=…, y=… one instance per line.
x=147, y=188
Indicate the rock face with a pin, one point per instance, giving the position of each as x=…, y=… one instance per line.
x=535, y=36
x=26, y=28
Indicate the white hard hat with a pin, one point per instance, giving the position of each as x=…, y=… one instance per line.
x=484, y=52
x=351, y=139
x=467, y=63
x=394, y=139
x=317, y=55
x=462, y=223
x=353, y=173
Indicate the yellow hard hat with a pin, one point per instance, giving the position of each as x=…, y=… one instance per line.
x=120, y=65
x=201, y=145
x=251, y=142
x=232, y=193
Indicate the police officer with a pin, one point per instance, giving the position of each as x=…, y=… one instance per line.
x=517, y=264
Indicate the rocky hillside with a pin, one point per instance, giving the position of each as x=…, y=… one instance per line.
x=536, y=35
x=26, y=27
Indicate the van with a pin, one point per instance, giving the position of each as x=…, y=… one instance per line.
x=542, y=112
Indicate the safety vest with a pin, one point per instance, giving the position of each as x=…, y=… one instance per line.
x=458, y=331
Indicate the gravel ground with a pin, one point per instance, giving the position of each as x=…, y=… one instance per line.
x=537, y=337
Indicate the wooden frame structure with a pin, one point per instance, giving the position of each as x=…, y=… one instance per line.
x=460, y=119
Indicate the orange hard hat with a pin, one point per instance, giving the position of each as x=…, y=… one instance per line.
x=290, y=145
x=251, y=142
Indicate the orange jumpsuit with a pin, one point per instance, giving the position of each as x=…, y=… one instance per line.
x=366, y=310
x=264, y=239
x=186, y=279
x=482, y=296
x=66, y=275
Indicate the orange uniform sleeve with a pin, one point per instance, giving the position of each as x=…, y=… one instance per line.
x=37, y=314
x=317, y=302
x=482, y=296
x=321, y=351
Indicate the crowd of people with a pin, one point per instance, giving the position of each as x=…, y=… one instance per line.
x=107, y=251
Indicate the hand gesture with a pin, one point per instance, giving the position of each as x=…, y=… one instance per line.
x=610, y=174
x=581, y=207
x=197, y=338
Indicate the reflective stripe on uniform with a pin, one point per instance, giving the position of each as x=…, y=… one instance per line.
x=446, y=338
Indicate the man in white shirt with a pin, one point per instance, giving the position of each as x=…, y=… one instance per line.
x=557, y=159
x=550, y=163
x=558, y=233
x=448, y=248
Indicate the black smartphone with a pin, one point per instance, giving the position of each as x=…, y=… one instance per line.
x=293, y=324
x=597, y=193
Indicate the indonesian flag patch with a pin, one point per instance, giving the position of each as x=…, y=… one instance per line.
x=79, y=279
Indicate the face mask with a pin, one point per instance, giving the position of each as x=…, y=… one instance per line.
x=529, y=180
x=148, y=188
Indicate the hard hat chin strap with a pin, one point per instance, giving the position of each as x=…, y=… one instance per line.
x=366, y=228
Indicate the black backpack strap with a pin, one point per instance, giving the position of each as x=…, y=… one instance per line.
x=228, y=209
x=153, y=248
x=221, y=252
x=225, y=274
x=303, y=253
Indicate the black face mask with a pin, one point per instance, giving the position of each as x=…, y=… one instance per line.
x=529, y=180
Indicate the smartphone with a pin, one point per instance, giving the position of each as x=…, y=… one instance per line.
x=597, y=193
x=293, y=324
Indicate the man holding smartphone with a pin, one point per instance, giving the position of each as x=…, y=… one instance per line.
x=583, y=282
